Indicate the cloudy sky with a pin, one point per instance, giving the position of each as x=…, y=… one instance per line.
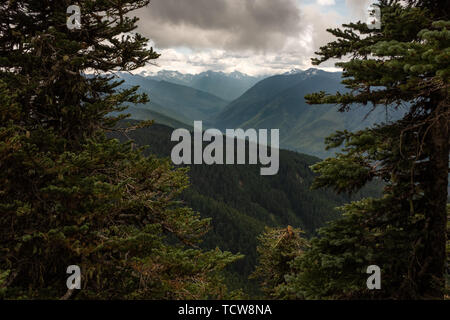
x=251, y=36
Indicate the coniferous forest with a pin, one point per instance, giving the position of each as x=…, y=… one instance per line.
x=87, y=182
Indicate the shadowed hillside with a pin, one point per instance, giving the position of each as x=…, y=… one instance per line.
x=278, y=103
x=241, y=202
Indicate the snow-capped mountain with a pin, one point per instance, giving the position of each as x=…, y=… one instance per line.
x=309, y=72
x=169, y=76
x=293, y=71
x=227, y=86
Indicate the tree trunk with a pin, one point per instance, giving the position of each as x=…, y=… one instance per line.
x=431, y=276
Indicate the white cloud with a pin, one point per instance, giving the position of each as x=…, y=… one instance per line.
x=326, y=2
x=259, y=39
x=358, y=8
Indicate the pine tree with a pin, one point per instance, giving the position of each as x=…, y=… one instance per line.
x=68, y=194
x=405, y=64
x=278, y=248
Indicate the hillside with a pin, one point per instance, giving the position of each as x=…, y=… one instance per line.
x=176, y=101
x=241, y=202
x=143, y=114
x=278, y=102
x=275, y=102
x=228, y=86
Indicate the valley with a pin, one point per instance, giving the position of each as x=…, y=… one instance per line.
x=241, y=203
x=276, y=102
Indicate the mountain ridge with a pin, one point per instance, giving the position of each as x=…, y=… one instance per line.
x=278, y=102
x=227, y=86
x=241, y=202
x=182, y=103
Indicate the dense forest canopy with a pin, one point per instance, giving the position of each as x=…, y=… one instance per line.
x=241, y=202
x=72, y=196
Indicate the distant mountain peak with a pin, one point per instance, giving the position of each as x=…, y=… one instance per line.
x=293, y=71
x=177, y=74
x=234, y=75
x=311, y=71
x=237, y=75
x=227, y=86
x=308, y=72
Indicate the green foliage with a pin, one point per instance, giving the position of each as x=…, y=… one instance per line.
x=278, y=248
x=278, y=102
x=404, y=232
x=335, y=266
x=241, y=202
x=176, y=101
x=71, y=196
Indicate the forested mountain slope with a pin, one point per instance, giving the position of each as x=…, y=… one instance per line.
x=241, y=202
x=278, y=103
x=176, y=101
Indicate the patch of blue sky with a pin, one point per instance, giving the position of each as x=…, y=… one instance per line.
x=339, y=6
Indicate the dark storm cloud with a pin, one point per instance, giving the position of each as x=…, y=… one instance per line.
x=223, y=24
